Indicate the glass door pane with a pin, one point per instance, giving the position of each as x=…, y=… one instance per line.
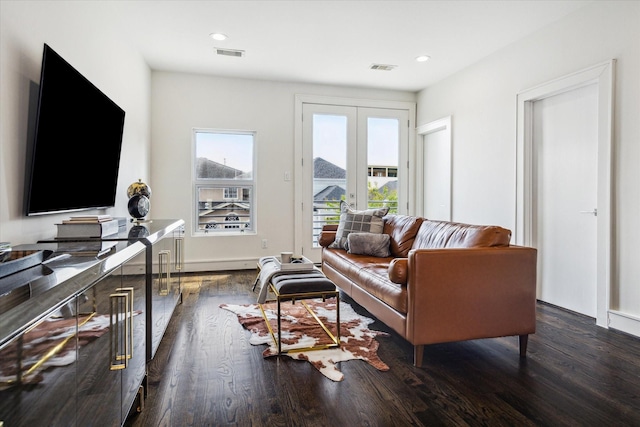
x=329, y=169
x=383, y=149
x=329, y=135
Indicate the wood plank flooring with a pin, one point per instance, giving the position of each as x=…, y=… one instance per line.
x=206, y=373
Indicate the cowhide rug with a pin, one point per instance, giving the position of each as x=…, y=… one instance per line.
x=300, y=330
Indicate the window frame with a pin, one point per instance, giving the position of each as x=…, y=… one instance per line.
x=239, y=184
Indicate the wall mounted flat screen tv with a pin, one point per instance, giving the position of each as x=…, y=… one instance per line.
x=75, y=157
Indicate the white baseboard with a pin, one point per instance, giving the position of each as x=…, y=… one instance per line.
x=624, y=322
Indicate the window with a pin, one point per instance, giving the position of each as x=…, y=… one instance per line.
x=231, y=193
x=224, y=181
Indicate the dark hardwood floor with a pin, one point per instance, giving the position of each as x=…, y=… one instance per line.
x=206, y=373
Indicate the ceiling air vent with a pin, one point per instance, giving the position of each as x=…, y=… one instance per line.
x=230, y=52
x=382, y=67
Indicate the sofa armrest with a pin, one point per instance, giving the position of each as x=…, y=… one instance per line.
x=461, y=294
x=327, y=235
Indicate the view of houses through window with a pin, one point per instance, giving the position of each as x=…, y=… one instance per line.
x=329, y=185
x=224, y=181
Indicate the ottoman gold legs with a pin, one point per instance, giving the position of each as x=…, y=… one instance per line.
x=335, y=339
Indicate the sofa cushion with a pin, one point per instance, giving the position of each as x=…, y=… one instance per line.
x=368, y=244
x=367, y=273
x=351, y=220
x=402, y=230
x=443, y=234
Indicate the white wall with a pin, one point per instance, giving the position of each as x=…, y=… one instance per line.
x=181, y=102
x=82, y=33
x=482, y=101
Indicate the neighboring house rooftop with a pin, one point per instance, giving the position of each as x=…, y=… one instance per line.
x=331, y=192
x=326, y=170
x=206, y=168
x=233, y=206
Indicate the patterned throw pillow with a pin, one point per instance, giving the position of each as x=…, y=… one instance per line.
x=367, y=221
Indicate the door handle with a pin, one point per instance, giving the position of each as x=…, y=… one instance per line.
x=179, y=244
x=128, y=322
x=119, y=342
x=594, y=212
x=163, y=272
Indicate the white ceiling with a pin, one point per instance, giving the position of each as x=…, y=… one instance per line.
x=331, y=42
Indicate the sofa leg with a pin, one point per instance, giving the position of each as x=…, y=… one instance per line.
x=524, y=340
x=418, y=352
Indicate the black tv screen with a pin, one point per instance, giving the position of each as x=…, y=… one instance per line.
x=75, y=155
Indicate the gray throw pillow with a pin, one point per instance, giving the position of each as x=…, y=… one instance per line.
x=353, y=221
x=369, y=244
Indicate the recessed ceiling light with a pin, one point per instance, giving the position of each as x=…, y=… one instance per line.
x=218, y=36
x=422, y=58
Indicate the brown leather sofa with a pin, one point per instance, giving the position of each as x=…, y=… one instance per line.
x=443, y=282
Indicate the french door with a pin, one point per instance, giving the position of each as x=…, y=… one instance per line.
x=352, y=153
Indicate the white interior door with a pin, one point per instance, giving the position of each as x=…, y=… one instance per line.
x=434, y=170
x=565, y=141
x=528, y=169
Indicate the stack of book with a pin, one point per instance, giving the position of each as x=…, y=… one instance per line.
x=93, y=248
x=93, y=226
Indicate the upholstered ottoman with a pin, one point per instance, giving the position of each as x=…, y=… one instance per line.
x=294, y=285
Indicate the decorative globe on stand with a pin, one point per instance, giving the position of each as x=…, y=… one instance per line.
x=139, y=204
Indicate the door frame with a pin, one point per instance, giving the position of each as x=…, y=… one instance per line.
x=603, y=75
x=300, y=100
x=440, y=125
